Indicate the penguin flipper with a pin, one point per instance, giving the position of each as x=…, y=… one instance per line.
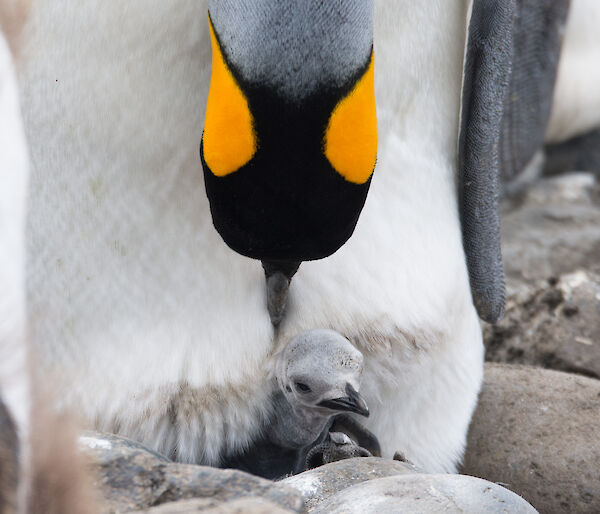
x=364, y=438
x=487, y=69
x=337, y=446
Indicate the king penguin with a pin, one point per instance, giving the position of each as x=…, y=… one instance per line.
x=40, y=471
x=146, y=300
x=15, y=383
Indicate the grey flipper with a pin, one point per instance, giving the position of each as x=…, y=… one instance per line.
x=352, y=428
x=538, y=29
x=347, y=438
x=337, y=446
x=486, y=78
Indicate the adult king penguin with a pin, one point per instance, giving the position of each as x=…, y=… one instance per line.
x=40, y=471
x=149, y=322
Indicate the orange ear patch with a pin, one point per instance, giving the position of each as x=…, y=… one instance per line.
x=229, y=140
x=351, y=136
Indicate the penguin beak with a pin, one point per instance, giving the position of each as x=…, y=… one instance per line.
x=278, y=275
x=351, y=403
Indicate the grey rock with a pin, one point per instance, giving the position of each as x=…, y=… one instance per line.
x=129, y=475
x=551, y=229
x=536, y=432
x=551, y=249
x=553, y=324
x=104, y=448
x=316, y=485
x=419, y=493
x=132, y=477
x=566, y=188
x=249, y=505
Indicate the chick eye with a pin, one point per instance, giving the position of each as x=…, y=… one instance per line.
x=303, y=388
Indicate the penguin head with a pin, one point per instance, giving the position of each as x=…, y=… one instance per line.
x=290, y=134
x=321, y=370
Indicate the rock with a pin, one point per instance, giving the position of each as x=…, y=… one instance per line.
x=132, y=477
x=247, y=505
x=371, y=484
x=551, y=250
x=320, y=483
x=536, y=432
x=552, y=228
x=104, y=448
x=425, y=493
x=554, y=324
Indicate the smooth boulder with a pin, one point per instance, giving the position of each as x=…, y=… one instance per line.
x=420, y=493
x=535, y=431
x=316, y=485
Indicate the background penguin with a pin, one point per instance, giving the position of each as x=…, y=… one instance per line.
x=15, y=386
x=573, y=131
x=317, y=375
x=40, y=471
x=576, y=105
x=155, y=328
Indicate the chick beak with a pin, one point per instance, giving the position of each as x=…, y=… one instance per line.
x=278, y=275
x=351, y=403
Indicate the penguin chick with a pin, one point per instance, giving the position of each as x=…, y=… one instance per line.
x=316, y=377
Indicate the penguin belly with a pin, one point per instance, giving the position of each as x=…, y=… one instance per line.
x=152, y=327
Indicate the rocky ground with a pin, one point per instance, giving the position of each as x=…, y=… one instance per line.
x=542, y=435
x=551, y=250
x=129, y=477
x=535, y=431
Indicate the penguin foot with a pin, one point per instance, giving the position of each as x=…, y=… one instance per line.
x=338, y=446
x=352, y=428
